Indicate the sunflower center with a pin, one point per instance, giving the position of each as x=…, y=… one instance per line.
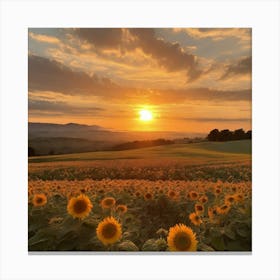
x=39, y=200
x=182, y=241
x=172, y=194
x=109, y=202
x=121, y=209
x=80, y=206
x=199, y=208
x=109, y=231
x=148, y=195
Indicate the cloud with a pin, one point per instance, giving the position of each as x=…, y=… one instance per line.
x=49, y=75
x=171, y=56
x=44, y=38
x=216, y=34
x=61, y=108
x=202, y=94
x=242, y=67
x=101, y=37
x=222, y=120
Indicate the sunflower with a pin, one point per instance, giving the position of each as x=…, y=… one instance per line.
x=148, y=196
x=79, y=207
x=109, y=231
x=195, y=219
x=121, y=208
x=193, y=195
x=213, y=214
x=171, y=194
x=108, y=202
x=39, y=199
x=223, y=209
x=181, y=238
x=203, y=199
x=239, y=197
x=199, y=208
x=217, y=190
x=229, y=199
x=137, y=194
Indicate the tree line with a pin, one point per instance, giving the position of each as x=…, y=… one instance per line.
x=228, y=135
x=141, y=144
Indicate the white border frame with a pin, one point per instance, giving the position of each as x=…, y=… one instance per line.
x=17, y=16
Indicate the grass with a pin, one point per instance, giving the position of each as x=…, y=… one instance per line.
x=205, y=151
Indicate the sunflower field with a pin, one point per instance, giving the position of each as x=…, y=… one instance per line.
x=166, y=207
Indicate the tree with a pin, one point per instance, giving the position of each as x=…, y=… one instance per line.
x=225, y=135
x=213, y=135
x=249, y=134
x=239, y=134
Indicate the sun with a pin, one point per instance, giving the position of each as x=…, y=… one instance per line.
x=145, y=115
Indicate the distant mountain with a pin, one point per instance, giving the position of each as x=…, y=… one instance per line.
x=55, y=128
x=50, y=138
x=98, y=133
x=72, y=130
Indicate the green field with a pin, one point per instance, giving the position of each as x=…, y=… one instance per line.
x=227, y=161
x=205, y=151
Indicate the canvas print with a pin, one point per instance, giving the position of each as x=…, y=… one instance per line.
x=139, y=139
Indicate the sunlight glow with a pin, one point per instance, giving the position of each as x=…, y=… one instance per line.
x=145, y=115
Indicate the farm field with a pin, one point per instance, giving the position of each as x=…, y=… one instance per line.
x=137, y=200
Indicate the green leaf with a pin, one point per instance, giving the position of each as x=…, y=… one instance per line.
x=234, y=246
x=204, y=247
x=161, y=244
x=218, y=243
x=150, y=245
x=127, y=245
x=243, y=232
x=215, y=232
x=43, y=240
x=229, y=233
x=90, y=224
x=68, y=241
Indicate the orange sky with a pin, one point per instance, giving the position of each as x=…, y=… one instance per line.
x=192, y=80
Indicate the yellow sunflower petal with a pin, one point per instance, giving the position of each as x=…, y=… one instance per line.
x=109, y=231
x=181, y=238
x=79, y=207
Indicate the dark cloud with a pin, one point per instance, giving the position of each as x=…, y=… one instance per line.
x=243, y=66
x=49, y=75
x=60, y=108
x=202, y=94
x=101, y=37
x=169, y=55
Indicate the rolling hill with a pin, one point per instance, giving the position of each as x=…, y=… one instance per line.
x=205, y=151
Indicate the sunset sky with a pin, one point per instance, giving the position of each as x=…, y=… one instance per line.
x=185, y=79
